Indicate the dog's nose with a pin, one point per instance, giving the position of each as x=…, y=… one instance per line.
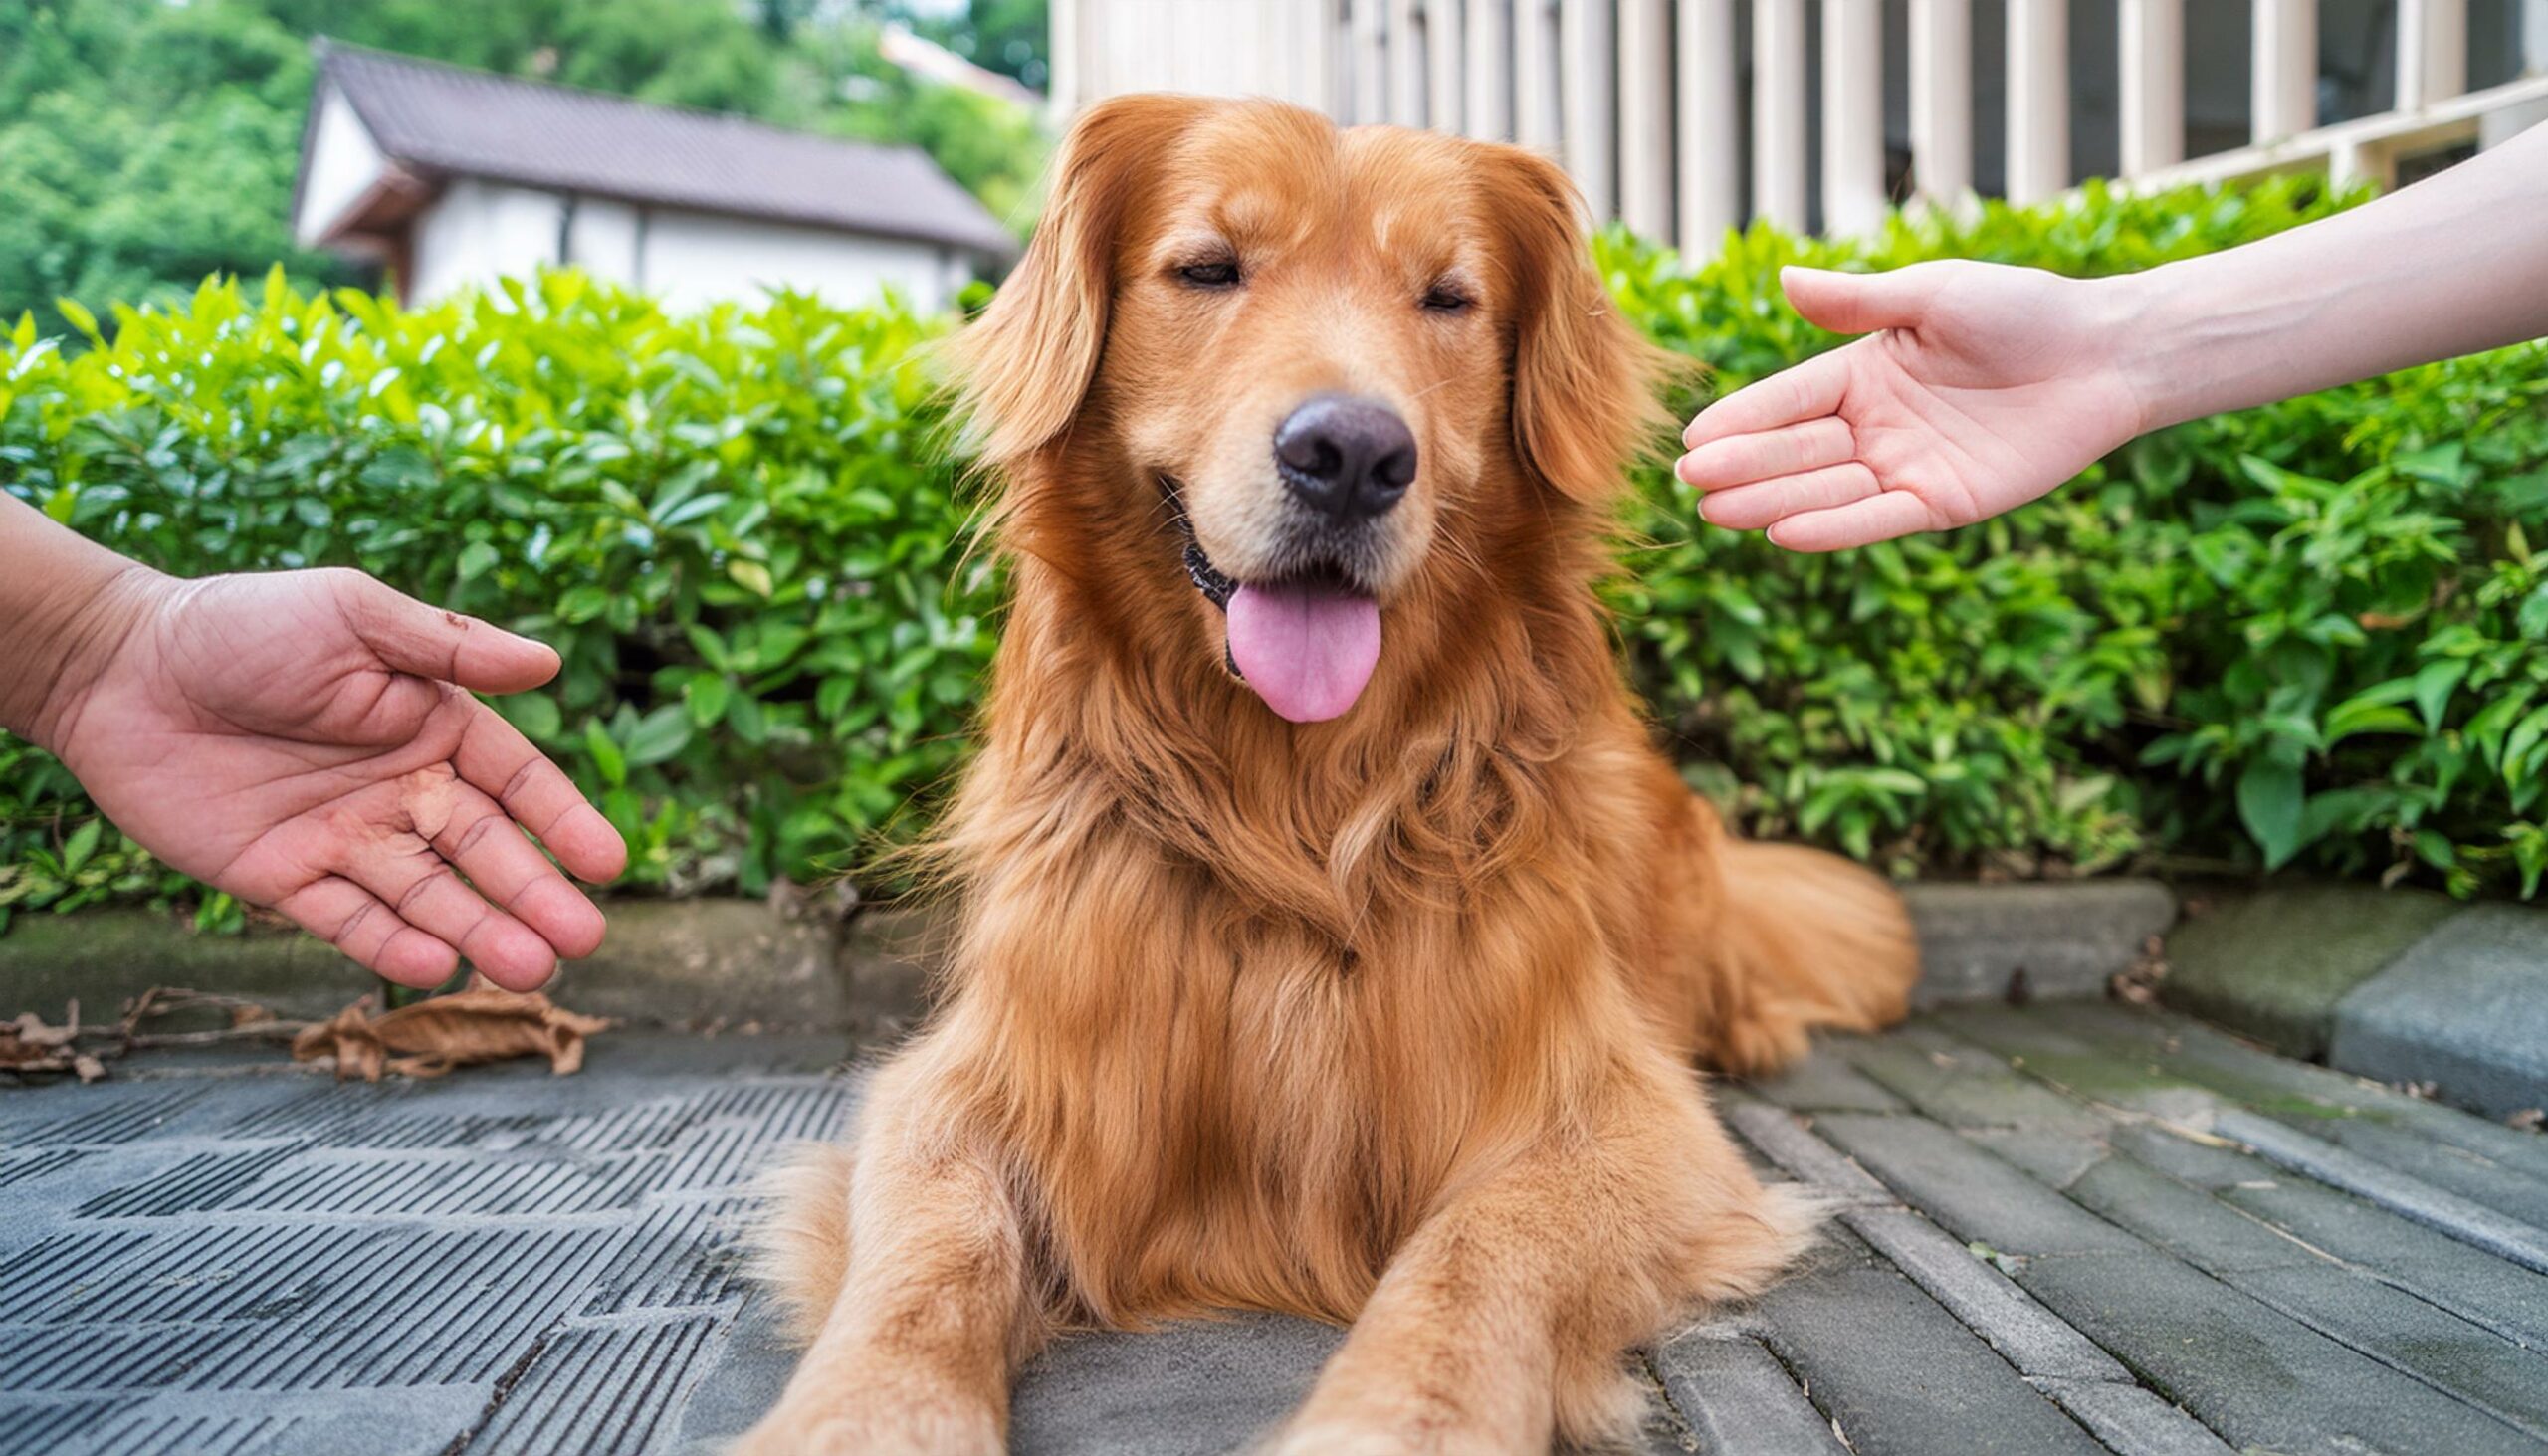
x=1347, y=457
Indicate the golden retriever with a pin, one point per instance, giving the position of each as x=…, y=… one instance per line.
x=1334, y=938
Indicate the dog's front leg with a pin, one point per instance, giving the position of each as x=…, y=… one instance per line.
x=1502, y=1323
x=916, y=1351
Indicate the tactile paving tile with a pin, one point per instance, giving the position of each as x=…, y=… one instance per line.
x=37, y=1164
x=55, y=1267
x=597, y=1389
x=204, y=1181
x=445, y=1307
x=123, y=1118
x=779, y=1111
x=33, y=1428
x=193, y=1435
x=231, y=1271
x=434, y=1186
x=685, y=1254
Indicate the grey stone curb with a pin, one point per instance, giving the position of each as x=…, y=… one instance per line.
x=701, y=962
x=2445, y=1212
x=2397, y=986
x=697, y=963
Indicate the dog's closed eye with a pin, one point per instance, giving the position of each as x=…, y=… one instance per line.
x=1210, y=273
x=1448, y=296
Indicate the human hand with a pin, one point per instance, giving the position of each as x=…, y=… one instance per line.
x=306, y=740
x=1981, y=388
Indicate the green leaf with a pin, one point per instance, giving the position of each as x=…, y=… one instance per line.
x=607, y=756
x=660, y=736
x=707, y=694
x=2269, y=804
x=2435, y=683
x=535, y=713
x=476, y=561
x=81, y=844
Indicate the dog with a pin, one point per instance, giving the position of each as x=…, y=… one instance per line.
x=1334, y=938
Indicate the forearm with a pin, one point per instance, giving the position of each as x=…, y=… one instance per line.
x=56, y=591
x=2452, y=265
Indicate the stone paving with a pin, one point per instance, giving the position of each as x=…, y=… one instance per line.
x=2072, y=1227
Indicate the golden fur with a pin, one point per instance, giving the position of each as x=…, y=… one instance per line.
x=1385, y=1020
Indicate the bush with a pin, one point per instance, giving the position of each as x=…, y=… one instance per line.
x=2314, y=633
x=732, y=526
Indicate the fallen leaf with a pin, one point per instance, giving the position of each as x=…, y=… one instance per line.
x=2529, y=1120
x=479, y=1023
x=30, y=1044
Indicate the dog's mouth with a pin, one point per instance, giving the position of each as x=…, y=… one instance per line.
x=1306, y=642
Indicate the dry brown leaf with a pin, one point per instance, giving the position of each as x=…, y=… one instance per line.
x=30, y=1044
x=480, y=1023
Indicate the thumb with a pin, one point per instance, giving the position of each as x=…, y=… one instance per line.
x=431, y=642
x=1855, y=303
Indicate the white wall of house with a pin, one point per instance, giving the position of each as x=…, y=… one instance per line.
x=695, y=258
x=343, y=163
x=477, y=232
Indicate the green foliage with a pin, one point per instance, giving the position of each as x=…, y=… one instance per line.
x=732, y=526
x=2313, y=634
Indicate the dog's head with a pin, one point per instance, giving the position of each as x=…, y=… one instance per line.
x=1328, y=375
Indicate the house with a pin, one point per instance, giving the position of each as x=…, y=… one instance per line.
x=453, y=178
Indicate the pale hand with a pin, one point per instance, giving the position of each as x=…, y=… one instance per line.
x=306, y=740
x=1979, y=388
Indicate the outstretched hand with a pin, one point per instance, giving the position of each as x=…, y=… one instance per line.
x=306, y=740
x=1977, y=388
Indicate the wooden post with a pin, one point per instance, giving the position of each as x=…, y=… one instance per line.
x=1645, y=118
x=1711, y=123
x=1367, y=28
x=1409, y=93
x=1490, y=69
x=2433, y=52
x=1853, y=199
x=1942, y=100
x=1536, y=96
x=1444, y=49
x=1584, y=55
x=2152, y=43
x=2039, y=98
x=2284, y=99
x=1778, y=113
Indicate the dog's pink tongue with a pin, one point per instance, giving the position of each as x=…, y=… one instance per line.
x=1306, y=650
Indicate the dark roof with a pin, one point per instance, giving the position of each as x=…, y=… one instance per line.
x=448, y=121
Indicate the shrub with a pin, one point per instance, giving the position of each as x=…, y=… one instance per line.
x=731, y=525
x=2314, y=633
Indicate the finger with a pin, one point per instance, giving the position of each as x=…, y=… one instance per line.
x=504, y=867
x=495, y=756
x=430, y=642
x=1750, y=508
x=1742, y=459
x=1809, y=391
x=1857, y=303
x=426, y=892
x=1880, y=518
x=355, y=921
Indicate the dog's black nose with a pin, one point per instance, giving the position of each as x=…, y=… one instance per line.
x=1349, y=459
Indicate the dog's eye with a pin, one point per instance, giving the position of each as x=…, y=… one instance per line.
x=1446, y=297
x=1219, y=273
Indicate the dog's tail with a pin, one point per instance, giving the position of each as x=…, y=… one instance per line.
x=1806, y=940
x=799, y=1251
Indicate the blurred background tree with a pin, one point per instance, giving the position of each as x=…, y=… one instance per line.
x=146, y=143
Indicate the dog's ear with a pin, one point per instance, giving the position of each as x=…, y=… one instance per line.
x=1024, y=367
x=1584, y=381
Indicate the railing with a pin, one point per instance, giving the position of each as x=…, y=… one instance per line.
x=1689, y=116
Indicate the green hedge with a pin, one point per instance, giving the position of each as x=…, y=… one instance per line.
x=2312, y=633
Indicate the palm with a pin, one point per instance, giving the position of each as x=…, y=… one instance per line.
x=297, y=740
x=1985, y=388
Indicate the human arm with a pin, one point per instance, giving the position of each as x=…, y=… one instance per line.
x=1981, y=387
x=306, y=740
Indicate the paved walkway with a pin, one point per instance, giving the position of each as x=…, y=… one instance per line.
x=2066, y=1228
